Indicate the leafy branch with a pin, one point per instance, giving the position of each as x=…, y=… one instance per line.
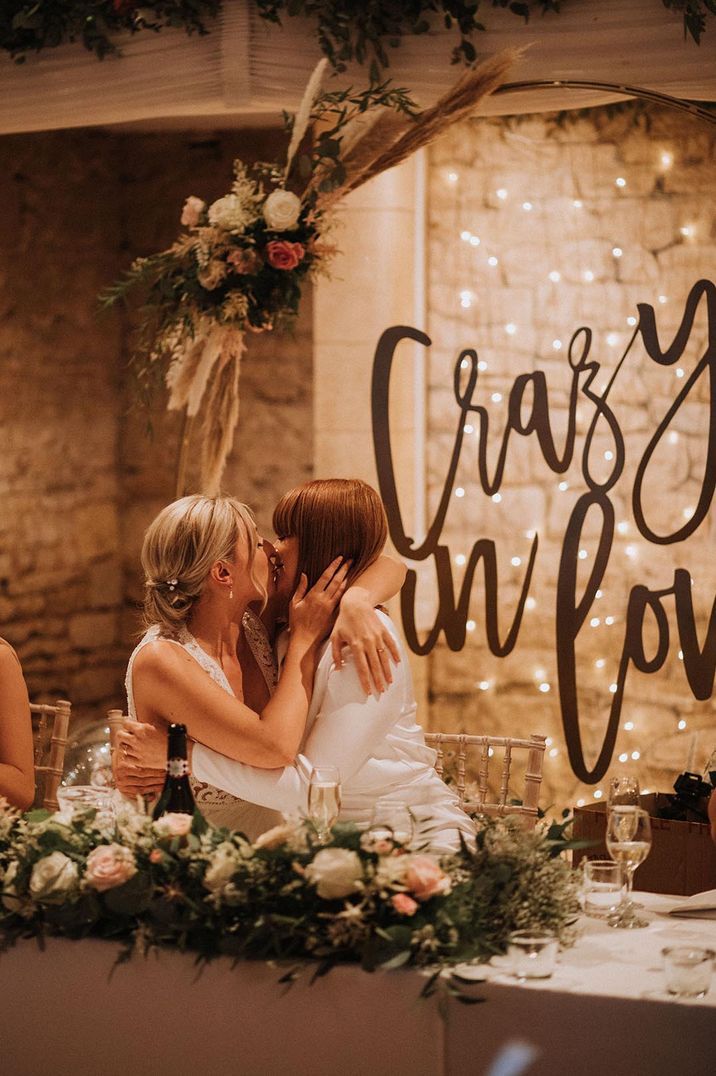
x=27, y=26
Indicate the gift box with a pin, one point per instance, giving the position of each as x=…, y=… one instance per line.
x=682, y=858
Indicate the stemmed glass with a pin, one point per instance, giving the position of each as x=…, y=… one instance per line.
x=324, y=799
x=629, y=843
x=623, y=790
x=391, y=820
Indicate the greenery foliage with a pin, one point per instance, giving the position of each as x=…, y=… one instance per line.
x=32, y=25
x=178, y=882
x=347, y=31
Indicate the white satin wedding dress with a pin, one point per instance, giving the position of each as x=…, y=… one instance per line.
x=219, y=807
x=374, y=741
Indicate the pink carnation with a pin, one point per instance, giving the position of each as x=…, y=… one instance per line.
x=425, y=879
x=284, y=255
x=403, y=904
x=108, y=866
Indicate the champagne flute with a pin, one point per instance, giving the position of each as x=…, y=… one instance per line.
x=391, y=820
x=629, y=843
x=324, y=799
x=623, y=790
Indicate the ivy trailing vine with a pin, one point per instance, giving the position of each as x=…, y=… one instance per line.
x=363, y=31
x=27, y=26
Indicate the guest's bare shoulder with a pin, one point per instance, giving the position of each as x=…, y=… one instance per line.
x=8, y=657
x=163, y=659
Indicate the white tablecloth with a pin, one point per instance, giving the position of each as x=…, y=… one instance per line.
x=61, y=1013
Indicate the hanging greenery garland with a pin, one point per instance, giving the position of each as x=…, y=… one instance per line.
x=346, y=31
x=27, y=27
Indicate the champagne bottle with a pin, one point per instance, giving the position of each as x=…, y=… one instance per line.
x=176, y=796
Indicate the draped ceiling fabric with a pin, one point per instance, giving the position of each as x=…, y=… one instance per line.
x=246, y=71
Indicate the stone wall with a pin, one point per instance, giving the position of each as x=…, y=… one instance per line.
x=535, y=230
x=79, y=477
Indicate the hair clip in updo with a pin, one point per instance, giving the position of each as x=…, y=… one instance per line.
x=172, y=584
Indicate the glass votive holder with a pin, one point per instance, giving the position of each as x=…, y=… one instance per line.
x=532, y=953
x=603, y=888
x=687, y=970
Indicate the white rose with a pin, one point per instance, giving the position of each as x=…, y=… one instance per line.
x=335, y=872
x=281, y=210
x=53, y=877
x=228, y=213
x=221, y=869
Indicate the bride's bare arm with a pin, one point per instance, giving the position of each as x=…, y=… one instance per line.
x=169, y=685
x=358, y=626
x=17, y=777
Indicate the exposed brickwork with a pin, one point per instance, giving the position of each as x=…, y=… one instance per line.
x=79, y=479
x=515, y=188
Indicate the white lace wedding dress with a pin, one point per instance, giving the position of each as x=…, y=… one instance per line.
x=218, y=807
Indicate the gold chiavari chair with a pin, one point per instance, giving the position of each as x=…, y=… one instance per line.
x=49, y=736
x=488, y=745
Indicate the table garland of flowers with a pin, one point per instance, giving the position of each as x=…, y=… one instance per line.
x=178, y=882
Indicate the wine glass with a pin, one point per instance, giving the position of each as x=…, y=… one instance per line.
x=623, y=790
x=324, y=799
x=628, y=843
x=391, y=820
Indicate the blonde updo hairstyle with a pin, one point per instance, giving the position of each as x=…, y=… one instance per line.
x=180, y=547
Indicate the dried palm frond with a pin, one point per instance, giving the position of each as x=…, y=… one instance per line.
x=303, y=116
x=221, y=414
x=458, y=103
x=189, y=373
x=387, y=128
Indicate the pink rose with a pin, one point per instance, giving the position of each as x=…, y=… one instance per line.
x=192, y=211
x=284, y=255
x=108, y=866
x=155, y=856
x=173, y=825
x=425, y=879
x=245, y=261
x=403, y=904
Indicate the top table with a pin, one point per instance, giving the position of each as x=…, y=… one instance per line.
x=601, y=1013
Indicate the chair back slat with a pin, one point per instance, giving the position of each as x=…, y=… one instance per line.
x=534, y=746
x=48, y=775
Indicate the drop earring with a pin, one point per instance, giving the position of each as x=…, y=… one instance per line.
x=231, y=594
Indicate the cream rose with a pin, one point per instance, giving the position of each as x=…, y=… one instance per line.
x=173, y=825
x=282, y=210
x=229, y=213
x=108, y=866
x=335, y=872
x=192, y=211
x=53, y=877
x=425, y=878
x=221, y=869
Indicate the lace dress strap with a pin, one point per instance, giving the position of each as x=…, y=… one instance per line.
x=260, y=646
x=188, y=643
